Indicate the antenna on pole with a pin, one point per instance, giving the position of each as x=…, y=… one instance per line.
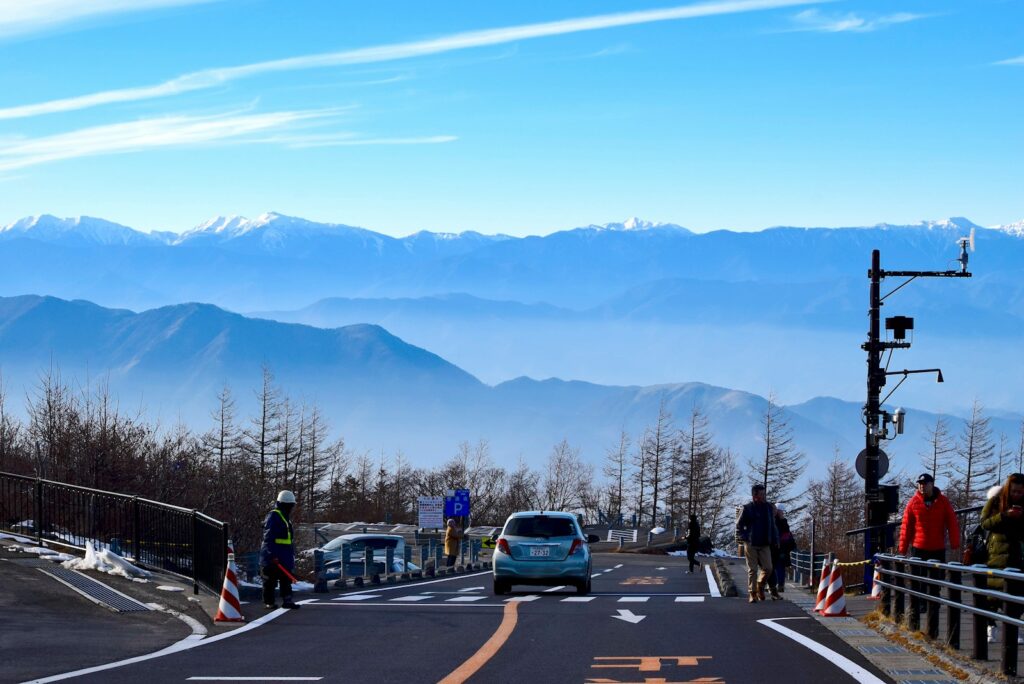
x=964, y=244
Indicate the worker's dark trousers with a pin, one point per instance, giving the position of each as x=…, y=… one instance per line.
x=271, y=577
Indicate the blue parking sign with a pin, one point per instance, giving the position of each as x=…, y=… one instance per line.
x=457, y=502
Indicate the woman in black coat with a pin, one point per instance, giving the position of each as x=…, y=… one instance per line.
x=693, y=541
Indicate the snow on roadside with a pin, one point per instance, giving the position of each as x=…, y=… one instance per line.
x=14, y=537
x=105, y=560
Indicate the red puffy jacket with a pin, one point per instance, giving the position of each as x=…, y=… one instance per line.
x=924, y=527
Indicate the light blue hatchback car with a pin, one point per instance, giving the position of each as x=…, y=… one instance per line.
x=542, y=547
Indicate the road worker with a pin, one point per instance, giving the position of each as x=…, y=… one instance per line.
x=277, y=555
x=452, y=539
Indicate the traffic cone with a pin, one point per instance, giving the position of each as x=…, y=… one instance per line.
x=876, y=588
x=835, y=600
x=230, y=609
x=819, y=603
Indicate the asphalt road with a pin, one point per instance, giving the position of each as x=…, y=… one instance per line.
x=647, y=620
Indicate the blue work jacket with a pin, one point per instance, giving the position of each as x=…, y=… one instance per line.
x=278, y=540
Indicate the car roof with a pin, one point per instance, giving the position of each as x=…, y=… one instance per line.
x=553, y=514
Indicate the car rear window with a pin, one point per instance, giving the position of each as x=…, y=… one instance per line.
x=540, y=526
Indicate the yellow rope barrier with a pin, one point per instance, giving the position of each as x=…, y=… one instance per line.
x=863, y=562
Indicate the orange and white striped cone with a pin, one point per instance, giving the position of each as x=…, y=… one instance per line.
x=819, y=603
x=876, y=588
x=230, y=608
x=835, y=600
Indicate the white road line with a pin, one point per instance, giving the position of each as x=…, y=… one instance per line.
x=254, y=679
x=596, y=574
x=578, y=599
x=712, y=584
x=469, y=589
x=355, y=597
x=522, y=599
x=552, y=589
x=465, y=599
x=689, y=599
x=191, y=641
x=608, y=570
x=845, y=664
x=633, y=599
x=416, y=597
x=617, y=566
x=400, y=587
x=406, y=604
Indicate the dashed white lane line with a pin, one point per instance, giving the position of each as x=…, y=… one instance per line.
x=417, y=597
x=845, y=664
x=254, y=679
x=689, y=599
x=552, y=589
x=578, y=599
x=712, y=584
x=522, y=599
x=617, y=566
x=465, y=599
x=356, y=597
x=633, y=599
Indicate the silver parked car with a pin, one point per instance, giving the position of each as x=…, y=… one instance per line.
x=542, y=547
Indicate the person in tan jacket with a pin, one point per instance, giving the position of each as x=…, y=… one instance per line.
x=452, y=539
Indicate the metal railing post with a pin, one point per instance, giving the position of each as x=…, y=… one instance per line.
x=1010, y=631
x=953, y=613
x=886, y=597
x=898, y=609
x=813, y=578
x=933, y=573
x=38, y=515
x=389, y=563
x=195, y=552
x=914, y=620
x=136, y=531
x=980, y=633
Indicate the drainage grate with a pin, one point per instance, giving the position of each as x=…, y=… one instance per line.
x=96, y=591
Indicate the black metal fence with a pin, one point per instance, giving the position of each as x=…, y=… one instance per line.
x=149, y=533
x=931, y=585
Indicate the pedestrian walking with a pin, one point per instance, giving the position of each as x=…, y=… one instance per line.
x=1003, y=518
x=277, y=554
x=927, y=520
x=693, y=541
x=756, y=527
x=452, y=539
x=786, y=545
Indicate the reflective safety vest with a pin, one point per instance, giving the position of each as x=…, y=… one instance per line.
x=287, y=525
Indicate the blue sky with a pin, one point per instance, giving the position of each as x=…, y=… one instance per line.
x=524, y=118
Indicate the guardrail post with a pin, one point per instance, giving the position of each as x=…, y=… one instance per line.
x=1010, y=631
x=886, y=596
x=899, y=604
x=389, y=564
x=321, y=574
x=914, y=620
x=953, y=613
x=367, y=561
x=407, y=562
x=934, y=573
x=195, y=552
x=437, y=559
x=37, y=523
x=424, y=555
x=136, y=531
x=650, y=537
x=980, y=602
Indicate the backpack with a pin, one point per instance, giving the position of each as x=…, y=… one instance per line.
x=976, y=549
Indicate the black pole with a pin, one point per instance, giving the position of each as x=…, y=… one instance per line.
x=874, y=511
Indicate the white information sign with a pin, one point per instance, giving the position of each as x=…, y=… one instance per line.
x=431, y=512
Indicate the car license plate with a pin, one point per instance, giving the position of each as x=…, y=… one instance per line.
x=539, y=551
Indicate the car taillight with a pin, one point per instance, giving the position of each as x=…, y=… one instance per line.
x=577, y=544
x=503, y=547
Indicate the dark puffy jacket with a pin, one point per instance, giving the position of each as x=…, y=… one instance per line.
x=278, y=540
x=924, y=525
x=1004, y=539
x=756, y=524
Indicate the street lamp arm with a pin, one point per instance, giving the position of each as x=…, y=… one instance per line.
x=905, y=373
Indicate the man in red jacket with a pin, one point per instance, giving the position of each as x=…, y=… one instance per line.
x=926, y=520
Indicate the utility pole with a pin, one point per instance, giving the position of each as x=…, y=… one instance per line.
x=876, y=420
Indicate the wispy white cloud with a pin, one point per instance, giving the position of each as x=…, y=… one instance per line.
x=1015, y=61
x=20, y=17
x=209, y=78
x=619, y=49
x=815, y=20
x=145, y=134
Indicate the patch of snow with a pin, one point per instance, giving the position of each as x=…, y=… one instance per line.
x=167, y=587
x=42, y=551
x=658, y=530
x=105, y=560
x=14, y=537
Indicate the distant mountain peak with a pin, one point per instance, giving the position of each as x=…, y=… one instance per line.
x=47, y=227
x=953, y=222
x=635, y=224
x=1016, y=229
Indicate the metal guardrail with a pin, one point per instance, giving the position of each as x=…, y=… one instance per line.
x=924, y=583
x=178, y=540
x=803, y=570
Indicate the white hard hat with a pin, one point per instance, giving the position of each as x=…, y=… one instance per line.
x=285, y=496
